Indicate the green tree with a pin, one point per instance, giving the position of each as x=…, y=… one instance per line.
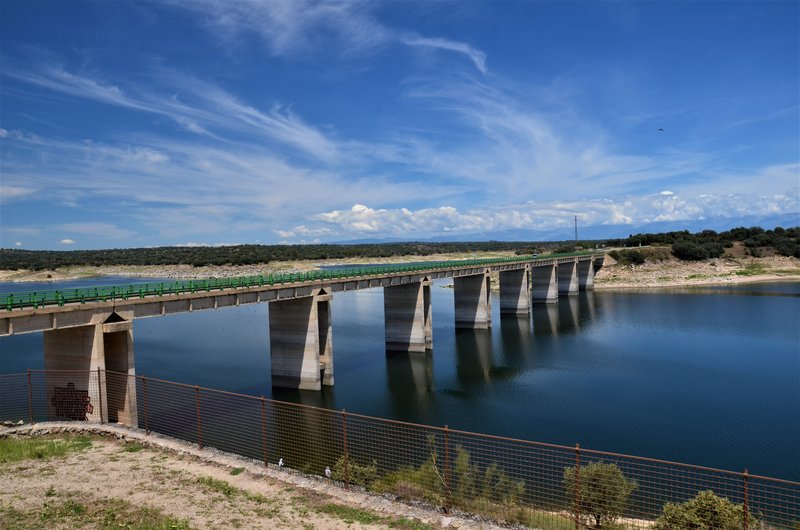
x=706, y=511
x=602, y=495
x=688, y=251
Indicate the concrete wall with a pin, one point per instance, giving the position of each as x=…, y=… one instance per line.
x=407, y=317
x=515, y=298
x=544, y=281
x=473, y=303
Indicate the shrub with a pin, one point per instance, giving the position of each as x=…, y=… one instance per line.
x=688, y=251
x=603, y=492
x=356, y=473
x=704, y=512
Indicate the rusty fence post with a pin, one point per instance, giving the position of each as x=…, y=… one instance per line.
x=199, y=419
x=264, y=430
x=100, y=394
x=577, y=486
x=346, y=456
x=146, y=419
x=447, y=468
x=745, y=511
x=30, y=398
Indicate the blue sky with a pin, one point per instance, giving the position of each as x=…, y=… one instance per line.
x=208, y=122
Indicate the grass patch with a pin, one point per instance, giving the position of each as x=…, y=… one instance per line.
x=787, y=272
x=237, y=471
x=752, y=269
x=102, y=513
x=219, y=486
x=19, y=449
x=133, y=447
x=349, y=515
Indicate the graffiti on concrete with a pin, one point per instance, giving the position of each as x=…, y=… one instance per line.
x=70, y=402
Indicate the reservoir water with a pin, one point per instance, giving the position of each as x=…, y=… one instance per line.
x=707, y=376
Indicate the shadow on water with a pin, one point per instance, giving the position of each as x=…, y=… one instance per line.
x=410, y=382
x=545, y=320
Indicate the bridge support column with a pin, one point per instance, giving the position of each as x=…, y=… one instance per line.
x=301, y=342
x=407, y=317
x=473, y=301
x=586, y=275
x=515, y=292
x=545, y=284
x=568, y=278
x=87, y=349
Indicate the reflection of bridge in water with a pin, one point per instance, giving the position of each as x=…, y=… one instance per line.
x=93, y=329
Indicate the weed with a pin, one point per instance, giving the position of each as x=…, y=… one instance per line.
x=237, y=471
x=219, y=485
x=133, y=447
x=349, y=515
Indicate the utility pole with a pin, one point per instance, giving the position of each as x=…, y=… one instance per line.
x=576, y=229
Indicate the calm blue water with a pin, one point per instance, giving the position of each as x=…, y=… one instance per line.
x=707, y=376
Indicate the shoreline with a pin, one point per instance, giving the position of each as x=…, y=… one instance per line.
x=668, y=274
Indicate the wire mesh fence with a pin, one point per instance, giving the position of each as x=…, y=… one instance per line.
x=535, y=484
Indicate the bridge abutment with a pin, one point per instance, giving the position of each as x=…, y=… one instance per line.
x=407, y=317
x=473, y=302
x=515, y=292
x=544, y=282
x=301, y=342
x=568, y=278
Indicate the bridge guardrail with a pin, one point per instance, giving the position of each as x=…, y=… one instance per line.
x=60, y=297
x=539, y=485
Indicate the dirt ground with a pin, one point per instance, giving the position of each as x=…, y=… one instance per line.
x=194, y=488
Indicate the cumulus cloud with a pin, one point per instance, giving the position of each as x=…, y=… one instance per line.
x=540, y=215
x=67, y=242
x=18, y=244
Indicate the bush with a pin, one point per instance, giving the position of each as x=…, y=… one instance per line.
x=356, y=473
x=705, y=512
x=603, y=492
x=688, y=251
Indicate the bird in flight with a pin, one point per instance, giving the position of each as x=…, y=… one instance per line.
x=661, y=130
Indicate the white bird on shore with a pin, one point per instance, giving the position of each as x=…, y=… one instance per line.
x=280, y=463
x=328, y=471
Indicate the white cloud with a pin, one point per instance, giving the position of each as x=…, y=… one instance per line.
x=67, y=242
x=476, y=56
x=18, y=244
x=97, y=229
x=8, y=193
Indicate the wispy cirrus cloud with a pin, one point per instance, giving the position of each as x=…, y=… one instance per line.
x=293, y=27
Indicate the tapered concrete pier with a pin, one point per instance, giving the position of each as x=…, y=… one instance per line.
x=544, y=281
x=473, y=301
x=301, y=342
x=515, y=296
x=87, y=349
x=407, y=317
x=568, y=278
x=586, y=275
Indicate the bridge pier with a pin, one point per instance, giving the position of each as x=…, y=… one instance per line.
x=568, y=278
x=586, y=275
x=407, y=317
x=473, y=302
x=301, y=342
x=545, y=284
x=87, y=349
x=515, y=292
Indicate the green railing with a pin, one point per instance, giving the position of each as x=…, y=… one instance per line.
x=60, y=297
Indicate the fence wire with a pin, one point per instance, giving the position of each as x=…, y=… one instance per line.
x=534, y=484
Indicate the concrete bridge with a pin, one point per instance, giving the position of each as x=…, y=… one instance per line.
x=92, y=329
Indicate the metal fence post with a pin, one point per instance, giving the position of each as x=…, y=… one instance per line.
x=144, y=393
x=447, y=468
x=199, y=419
x=745, y=511
x=577, y=486
x=346, y=456
x=30, y=398
x=100, y=394
x=264, y=430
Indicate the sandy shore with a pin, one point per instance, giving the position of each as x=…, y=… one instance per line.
x=664, y=274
